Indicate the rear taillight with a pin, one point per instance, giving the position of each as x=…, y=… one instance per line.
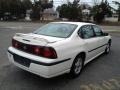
x=47, y=52
x=15, y=43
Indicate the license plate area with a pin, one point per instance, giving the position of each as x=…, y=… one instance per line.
x=21, y=60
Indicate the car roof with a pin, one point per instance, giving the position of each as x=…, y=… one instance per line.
x=76, y=23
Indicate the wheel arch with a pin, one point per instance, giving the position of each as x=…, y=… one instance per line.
x=82, y=54
x=110, y=41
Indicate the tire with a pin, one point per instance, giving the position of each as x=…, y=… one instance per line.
x=107, y=49
x=76, y=66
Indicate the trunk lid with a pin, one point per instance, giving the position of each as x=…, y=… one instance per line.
x=35, y=39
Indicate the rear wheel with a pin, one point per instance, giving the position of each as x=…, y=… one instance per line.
x=77, y=66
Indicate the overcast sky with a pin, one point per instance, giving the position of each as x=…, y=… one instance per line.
x=90, y=2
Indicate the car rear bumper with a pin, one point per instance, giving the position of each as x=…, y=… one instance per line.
x=49, y=68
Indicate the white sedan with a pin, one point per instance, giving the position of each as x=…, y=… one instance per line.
x=58, y=47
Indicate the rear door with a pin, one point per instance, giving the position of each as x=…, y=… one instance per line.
x=91, y=42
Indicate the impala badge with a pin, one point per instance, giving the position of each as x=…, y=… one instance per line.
x=24, y=47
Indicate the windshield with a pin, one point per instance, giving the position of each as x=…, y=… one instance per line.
x=61, y=30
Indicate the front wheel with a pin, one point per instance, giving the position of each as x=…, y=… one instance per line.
x=77, y=66
x=107, y=49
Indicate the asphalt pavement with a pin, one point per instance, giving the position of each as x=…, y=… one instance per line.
x=103, y=73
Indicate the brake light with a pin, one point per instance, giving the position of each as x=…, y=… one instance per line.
x=15, y=43
x=49, y=52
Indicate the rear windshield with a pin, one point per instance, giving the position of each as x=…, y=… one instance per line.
x=61, y=30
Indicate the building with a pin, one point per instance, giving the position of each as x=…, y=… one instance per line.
x=44, y=1
x=86, y=12
x=49, y=14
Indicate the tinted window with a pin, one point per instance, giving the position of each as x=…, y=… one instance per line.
x=87, y=31
x=97, y=31
x=61, y=30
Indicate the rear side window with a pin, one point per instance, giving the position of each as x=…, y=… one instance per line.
x=87, y=32
x=97, y=30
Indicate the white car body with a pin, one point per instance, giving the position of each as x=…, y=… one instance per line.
x=66, y=48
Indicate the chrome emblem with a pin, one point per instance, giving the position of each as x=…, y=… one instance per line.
x=24, y=47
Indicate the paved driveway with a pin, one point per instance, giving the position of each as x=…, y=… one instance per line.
x=101, y=74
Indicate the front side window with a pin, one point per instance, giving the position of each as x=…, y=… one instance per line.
x=97, y=30
x=87, y=31
x=61, y=30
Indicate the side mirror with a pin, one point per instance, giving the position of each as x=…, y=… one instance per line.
x=105, y=34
